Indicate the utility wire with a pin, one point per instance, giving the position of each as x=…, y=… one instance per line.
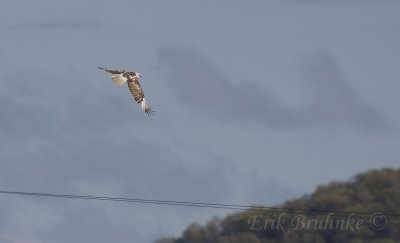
x=390, y=216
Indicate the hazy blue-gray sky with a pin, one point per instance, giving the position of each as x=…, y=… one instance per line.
x=257, y=102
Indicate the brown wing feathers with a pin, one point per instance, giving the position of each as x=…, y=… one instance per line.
x=111, y=71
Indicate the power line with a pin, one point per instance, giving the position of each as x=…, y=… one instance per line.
x=391, y=216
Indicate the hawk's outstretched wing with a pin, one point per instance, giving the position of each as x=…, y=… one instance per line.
x=117, y=76
x=138, y=95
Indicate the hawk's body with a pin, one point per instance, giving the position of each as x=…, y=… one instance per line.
x=120, y=77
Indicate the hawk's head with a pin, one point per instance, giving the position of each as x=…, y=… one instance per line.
x=134, y=75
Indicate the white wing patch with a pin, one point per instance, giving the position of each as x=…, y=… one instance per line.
x=118, y=79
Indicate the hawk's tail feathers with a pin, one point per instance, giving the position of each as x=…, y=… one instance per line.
x=145, y=107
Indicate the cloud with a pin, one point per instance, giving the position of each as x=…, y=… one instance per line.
x=58, y=25
x=63, y=127
x=335, y=101
x=200, y=86
x=66, y=132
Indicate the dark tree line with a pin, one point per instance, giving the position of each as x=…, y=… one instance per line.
x=321, y=218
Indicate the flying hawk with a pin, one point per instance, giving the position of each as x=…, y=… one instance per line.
x=120, y=77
